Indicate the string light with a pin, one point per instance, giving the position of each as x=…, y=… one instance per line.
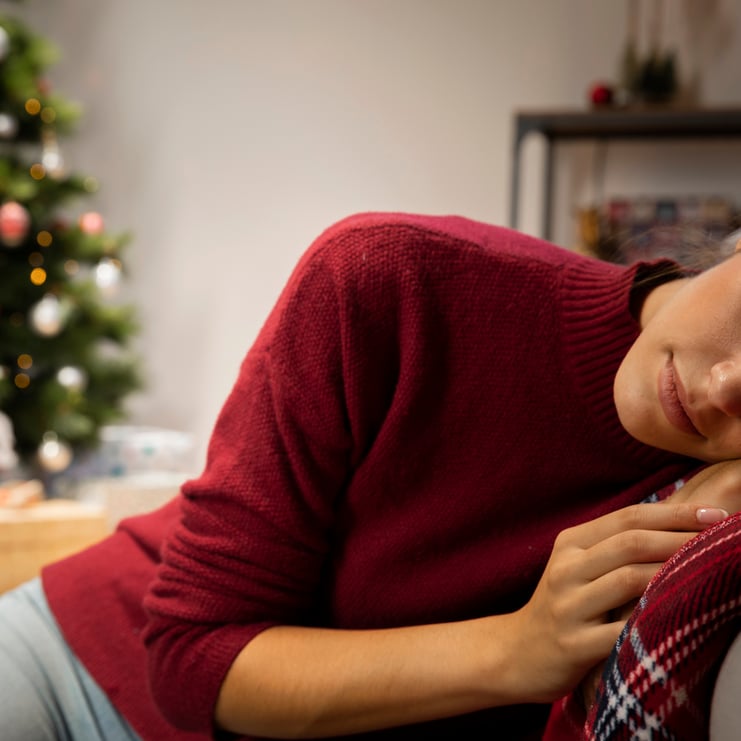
x=33, y=106
x=71, y=267
x=22, y=380
x=35, y=259
x=38, y=276
x=38, y=171
x=48, y=115
x=44, y=238
x=25, y=361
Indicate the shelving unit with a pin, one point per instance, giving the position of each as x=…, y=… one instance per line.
x=610, y=123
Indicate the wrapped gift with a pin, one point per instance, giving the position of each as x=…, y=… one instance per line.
x=134, y=470
x=130, y=450
x=125, y=496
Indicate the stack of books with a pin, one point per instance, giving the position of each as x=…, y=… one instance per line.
x=686, y=228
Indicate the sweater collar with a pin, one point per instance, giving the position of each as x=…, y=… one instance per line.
x=600, y=310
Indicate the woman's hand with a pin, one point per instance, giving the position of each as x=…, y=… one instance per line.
x=718, y=485
x=568, y=626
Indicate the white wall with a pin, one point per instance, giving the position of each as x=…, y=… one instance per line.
x=227, y=134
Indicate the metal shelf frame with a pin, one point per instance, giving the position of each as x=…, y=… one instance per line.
x=609, y=123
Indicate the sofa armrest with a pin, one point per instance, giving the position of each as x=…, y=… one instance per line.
x=725, y=712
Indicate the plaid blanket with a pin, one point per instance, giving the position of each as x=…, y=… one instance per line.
x=659, y=680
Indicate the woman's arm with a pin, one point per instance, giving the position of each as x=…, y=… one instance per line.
x=292, y=682
x=305, y=682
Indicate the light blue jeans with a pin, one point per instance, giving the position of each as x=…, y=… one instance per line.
x=45, y=692
x=47, y=695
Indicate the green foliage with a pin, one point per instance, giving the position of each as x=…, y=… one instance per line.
x=651, y=78
x=29, y=57
x=52, y=260
x=658, y=77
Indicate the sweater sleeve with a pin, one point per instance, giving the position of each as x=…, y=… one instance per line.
x=255, y=531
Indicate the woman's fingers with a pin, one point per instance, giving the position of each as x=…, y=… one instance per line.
x=631, y=547
x=578, y=602
x=609, y=592
x=606, y=573
x=667, y=516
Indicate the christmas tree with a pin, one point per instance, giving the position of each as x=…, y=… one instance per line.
x=65, y=358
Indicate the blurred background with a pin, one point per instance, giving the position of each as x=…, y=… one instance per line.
x=227, y=135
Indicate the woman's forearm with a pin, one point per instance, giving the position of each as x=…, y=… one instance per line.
x=294, y=682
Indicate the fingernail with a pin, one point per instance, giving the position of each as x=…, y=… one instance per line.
x=710, y=515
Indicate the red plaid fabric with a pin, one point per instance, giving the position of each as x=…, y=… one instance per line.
x=659, y=680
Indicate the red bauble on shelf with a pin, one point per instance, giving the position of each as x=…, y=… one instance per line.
x=601, y=94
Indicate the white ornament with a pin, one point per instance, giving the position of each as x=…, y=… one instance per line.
x=47, y=316
x=8, y=126
x=51, y=157
x=8, y=457
x=72, y=378
x=54, y=454
x=53, y=163
x=4, y=43
x=108, y=276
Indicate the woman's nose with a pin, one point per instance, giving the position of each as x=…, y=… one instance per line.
x=724, y=391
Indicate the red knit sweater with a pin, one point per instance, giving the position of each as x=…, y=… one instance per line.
x=427, y=406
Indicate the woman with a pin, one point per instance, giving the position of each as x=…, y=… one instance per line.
x=371, y=545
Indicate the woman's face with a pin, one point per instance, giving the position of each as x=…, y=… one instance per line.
x=679, y=386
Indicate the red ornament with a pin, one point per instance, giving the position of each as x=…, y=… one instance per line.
x=601, y=93
x=14, y=223
x=91, y=223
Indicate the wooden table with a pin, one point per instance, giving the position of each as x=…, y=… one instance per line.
x=33, y=536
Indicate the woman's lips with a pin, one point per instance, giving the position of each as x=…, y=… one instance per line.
x=670, y=401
